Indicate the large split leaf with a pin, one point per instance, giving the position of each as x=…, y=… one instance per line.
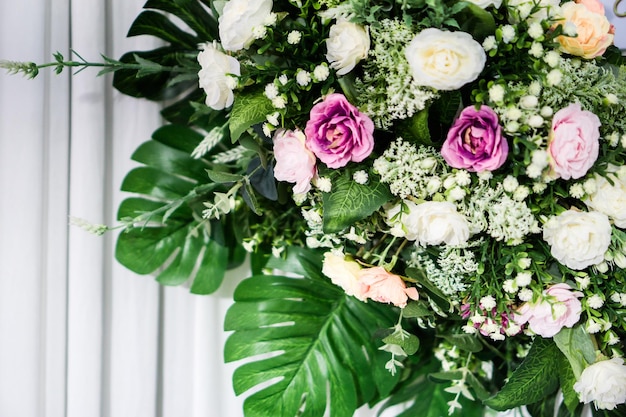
x=315, y=346
x=169, y=239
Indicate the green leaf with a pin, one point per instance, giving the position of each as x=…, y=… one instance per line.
x=315, y=341
x=416, y=128
x=534, y=379
x=567, y=379
x=153, y=86
x=577, y=346
x=248, y=110
x=168, y=238
x=477, y=21
x=416, y=309
x=192, y=13
x=467, y=342
x=433, y=292
x=223, y=177
x=156, y=24
x=350, y=202
x=410, y=344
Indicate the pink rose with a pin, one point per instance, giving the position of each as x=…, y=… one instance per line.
x=294, y=162
x=559, y=307
x=385, y=287
x=338, y=133
x=475, y=141
x=574, y=142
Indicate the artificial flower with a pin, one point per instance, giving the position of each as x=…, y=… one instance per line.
x=337, y=132
x=294, y=162
x=238, y=21
x=604, y=383
x=216, y=76
x=578, y=239
x=574, y=141
x=557, y=307
x=593, y=31
x=609, y=196
x=382, y=286
x=345, y=273
x=475, y=141
x=347, y=44
x=444, y=60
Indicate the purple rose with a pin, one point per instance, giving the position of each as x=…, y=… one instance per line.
x=338, y=133
x=475, y=141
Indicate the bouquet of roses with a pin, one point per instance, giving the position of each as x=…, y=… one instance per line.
x=432, y=196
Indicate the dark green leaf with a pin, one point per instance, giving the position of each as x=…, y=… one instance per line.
x=467, y=342
x=350, y=202
x=536, y=378
x=155, y=24
x=178, y=137
x=248, y=109
x=156, y=183
x=416, y=309
x=567, y=379
x=211, y=270
x=262, y=179
x=316, y=336
x=153, y=86
x=168, y=159
x=433, y=292
x=446, y=376
x=477, y=21
x=190, y=12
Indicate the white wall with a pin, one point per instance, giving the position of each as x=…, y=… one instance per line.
x=80, y=335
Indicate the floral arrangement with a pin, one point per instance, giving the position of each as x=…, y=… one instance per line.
x=431, y=194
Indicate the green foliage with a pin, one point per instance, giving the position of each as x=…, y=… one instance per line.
x=350, y=202
x=577, y=347
x=315, y=343
x=165, y=234
x=248, y=110
x=533, y=380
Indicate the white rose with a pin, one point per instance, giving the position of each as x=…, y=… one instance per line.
x=604, y=383
x=444, y=60
x=343, y=273
x=610, y=199
x=238, y=20
x=347, y=44
x=578, y=239
x=214, y=76
x=438, y=222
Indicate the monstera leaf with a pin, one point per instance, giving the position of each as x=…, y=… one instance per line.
x=309, y=343
x=195, y=25
x=169, y=237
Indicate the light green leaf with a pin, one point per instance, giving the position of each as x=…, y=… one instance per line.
x=410, y=344
x=577, y=346
x=312, y=336
x=416, y=309
x=350, y=202
x=223, y=177
x=248, y=110
x=533, y=380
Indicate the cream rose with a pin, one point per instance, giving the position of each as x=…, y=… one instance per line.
x=216, y=76
x=604, y=383
x=238, y=20
x=347, y=44
x=592, y=29
x=610, y=199
x=343, y=273
x=437, y=223
x=444, y=60
x=578, y=239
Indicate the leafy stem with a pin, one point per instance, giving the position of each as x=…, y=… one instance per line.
x=143, y=66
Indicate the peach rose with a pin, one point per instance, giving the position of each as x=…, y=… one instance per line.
x=343, y=273
x=382, y=286
x=593, y=31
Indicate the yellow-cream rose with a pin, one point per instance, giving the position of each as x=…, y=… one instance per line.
x=592, y=29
